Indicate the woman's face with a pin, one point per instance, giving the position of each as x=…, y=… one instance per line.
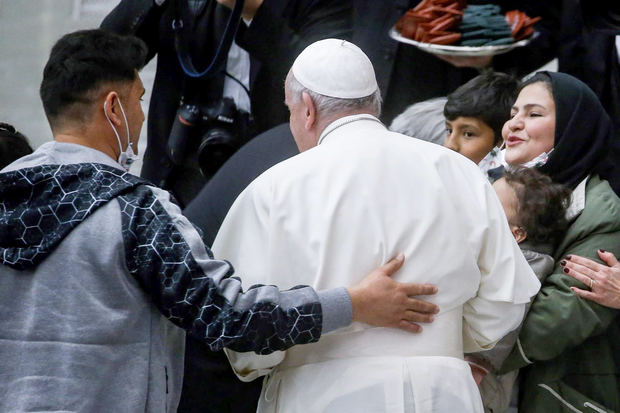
x=530, y=130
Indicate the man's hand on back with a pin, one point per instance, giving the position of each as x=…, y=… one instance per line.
x=380, y=301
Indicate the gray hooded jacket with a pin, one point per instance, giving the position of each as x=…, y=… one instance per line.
x=99, y=272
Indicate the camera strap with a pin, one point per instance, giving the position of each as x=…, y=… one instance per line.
x=218, y=63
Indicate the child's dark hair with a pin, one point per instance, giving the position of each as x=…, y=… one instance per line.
x=488, y=97
x=13, y=145
x=542, y=204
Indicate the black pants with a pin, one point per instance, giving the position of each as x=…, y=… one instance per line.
x=210, y=386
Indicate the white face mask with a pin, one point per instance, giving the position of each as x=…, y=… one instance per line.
x=127, y=156
x=540, y=160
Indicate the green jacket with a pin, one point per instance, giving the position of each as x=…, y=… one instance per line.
x=571, y=346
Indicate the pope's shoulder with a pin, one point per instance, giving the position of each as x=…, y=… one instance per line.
x=434, y=153
x=401, y=148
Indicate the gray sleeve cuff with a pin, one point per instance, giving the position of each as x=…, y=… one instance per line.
x=337, y=309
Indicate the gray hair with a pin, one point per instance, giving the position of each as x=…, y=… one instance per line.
x=423, y=120
x=326, y=106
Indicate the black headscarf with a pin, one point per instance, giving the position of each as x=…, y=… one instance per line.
x=584, y=139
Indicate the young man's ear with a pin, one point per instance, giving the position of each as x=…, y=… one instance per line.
x=111, y=108
x=310, y=111
x=519, y=233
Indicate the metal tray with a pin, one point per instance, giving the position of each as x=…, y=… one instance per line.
x=451, y=50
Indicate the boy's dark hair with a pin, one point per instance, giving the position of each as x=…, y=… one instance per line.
x=13, y=145
x=79, y=63
x=542, y=204
x=487, y=97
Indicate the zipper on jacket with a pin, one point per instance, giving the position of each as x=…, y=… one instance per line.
x=593, y=407
x=166, y=371
x=557, y=396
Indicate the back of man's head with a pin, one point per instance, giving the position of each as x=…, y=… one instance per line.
x=487, y=97
x=338, y=76
x=79, y=64
x=423, y=120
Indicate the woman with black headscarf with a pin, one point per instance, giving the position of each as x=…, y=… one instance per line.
x=571, y=346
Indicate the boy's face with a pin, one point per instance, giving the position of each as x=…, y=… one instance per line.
x=470, y=137
x=508, y=199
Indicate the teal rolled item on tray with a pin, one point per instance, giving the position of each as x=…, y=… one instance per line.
x=484, y=25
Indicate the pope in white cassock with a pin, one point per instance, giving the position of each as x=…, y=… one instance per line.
x=357, y=195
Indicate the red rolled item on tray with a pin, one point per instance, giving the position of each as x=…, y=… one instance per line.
x=432, y=21
x=437, y=21
x=521, y=24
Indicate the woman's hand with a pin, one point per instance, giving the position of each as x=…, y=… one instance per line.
x=603, y=280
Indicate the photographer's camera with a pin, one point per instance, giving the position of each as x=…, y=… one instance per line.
x=220, y=128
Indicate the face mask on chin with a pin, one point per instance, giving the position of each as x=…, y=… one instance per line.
x=538, y=161
x=127, y=156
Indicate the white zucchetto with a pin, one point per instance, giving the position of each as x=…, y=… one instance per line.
x=335, y=68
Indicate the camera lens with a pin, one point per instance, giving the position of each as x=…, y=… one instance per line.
x=185, y=120
x=217, y=145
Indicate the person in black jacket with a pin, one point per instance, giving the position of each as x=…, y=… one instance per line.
x=278, y=30
x=588, y=50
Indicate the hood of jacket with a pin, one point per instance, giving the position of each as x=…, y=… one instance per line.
x=41, y=205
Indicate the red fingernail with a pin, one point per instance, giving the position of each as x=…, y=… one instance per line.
x=565, y=270
x=568, y=257
x=562, y=263
x=603, y=251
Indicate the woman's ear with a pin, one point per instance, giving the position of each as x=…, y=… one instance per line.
x=519, y=233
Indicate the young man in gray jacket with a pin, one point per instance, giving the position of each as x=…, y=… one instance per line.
x=96, y=262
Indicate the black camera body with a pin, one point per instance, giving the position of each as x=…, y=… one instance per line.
x=220, y=128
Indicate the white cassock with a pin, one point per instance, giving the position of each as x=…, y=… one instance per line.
x=332, y=214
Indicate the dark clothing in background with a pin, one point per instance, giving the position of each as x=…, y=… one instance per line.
x=209, y=208
x=280, y=30
x=588, y=51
